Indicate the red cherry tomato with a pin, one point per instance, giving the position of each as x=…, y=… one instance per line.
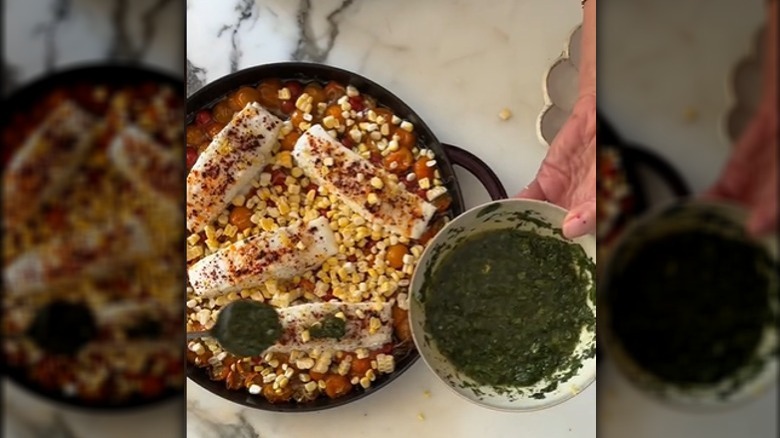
x=192, y=157
x=203, y=118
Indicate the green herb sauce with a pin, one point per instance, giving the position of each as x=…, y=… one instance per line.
x=329, y=327
x=690, y=307
x=247, y=328
x=507, y=307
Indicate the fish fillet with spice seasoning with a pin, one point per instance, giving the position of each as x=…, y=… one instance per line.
x=367, y=325
x=95, y=253
x=46, y=160
x=235, y=156
x=364, y=187
x=155, y=173
x=281, y=254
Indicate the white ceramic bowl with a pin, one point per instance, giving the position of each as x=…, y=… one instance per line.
x=751, y=380
x=499, y=215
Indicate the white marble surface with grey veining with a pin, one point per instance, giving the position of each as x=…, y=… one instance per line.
x=458, y=64
x=44, y=36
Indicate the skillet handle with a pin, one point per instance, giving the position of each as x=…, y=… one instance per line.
x=478, y=168
x=639, y=157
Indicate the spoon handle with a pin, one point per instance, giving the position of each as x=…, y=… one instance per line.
x=198, y=334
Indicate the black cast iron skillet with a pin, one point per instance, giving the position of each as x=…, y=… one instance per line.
x=633, y=158
x=447, y=155
x=24, y=100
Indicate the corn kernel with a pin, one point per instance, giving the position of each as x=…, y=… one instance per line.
x=284, y=159
x=330, y=122
x=267, y=224
x=374, y=324
x=377, y=182
x=284, y=208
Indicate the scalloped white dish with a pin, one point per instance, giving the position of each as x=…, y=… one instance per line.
x=560, y=86
x=744, y=88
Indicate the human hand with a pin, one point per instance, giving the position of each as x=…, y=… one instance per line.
x=567, y=176
x=750, y=175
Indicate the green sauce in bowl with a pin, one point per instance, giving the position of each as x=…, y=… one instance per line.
x=507, y=306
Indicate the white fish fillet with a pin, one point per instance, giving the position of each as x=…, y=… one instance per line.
x=46, y=161
x=92, y=254
x=130, y=310
x=149, y=167
x=345, y=173
x=281, y=254
x=235, y=156
x=157, y=175
x=296, y=319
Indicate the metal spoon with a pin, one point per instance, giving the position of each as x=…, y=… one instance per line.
x=244, y=328
x=65, y=327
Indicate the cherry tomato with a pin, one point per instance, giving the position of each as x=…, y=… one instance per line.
x=357, y=103
x=233, y=380
x=335, y=112
x=269, y=93
x=333, y=91
x=316, y=376
x=288, y=141
x=359, y=367
x=151, y=386
x=443, y=202
x=147, y=90
x=296, y=89
x=244, y=96
x=223, y=112
x=55, y=218
x=296, y=118
x=192, y=157
x=347, y=141
x=195, y=135
x=337, y=385
x=287, y=106
x=277, y=396
x=387, y=115
x=401, y=324
x=395, y=255
x=421, y=169
x=431, y=231
x=278, y=178
x=213, y=128
x=399, y=161
x=241, y=218
x=316, y=92
x=406, y=139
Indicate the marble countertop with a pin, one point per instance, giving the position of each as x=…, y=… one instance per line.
x=44, y=36
x=458, y=64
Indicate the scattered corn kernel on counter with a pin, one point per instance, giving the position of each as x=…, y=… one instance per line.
x=299, y=193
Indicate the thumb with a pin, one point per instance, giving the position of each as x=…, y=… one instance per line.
x=580, y=220
x=533, y=191
x=762, y=221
